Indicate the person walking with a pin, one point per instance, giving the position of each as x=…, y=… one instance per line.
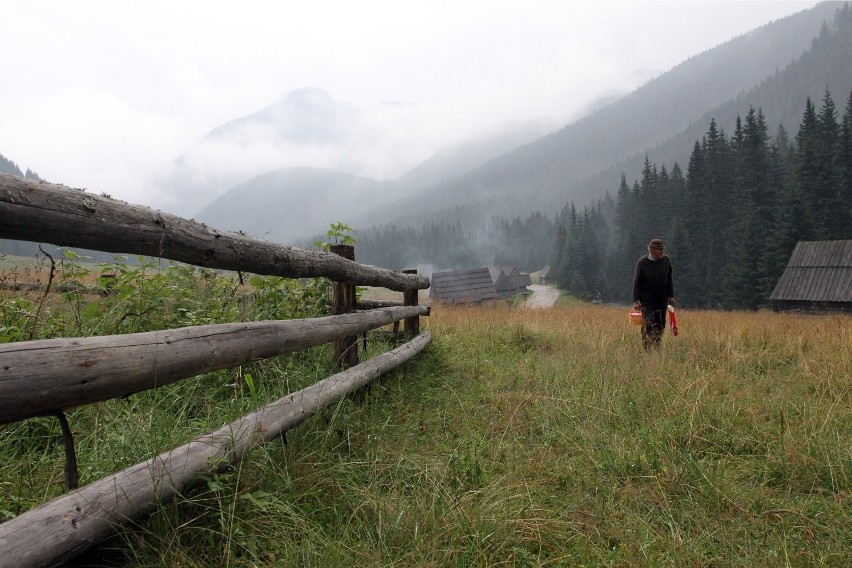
x=653, y=292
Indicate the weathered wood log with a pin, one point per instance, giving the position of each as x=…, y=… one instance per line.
x=374, y=304
x=46, y=376
x=411, y=326
x=345, y=349
x=64, y=527
x=50, y=213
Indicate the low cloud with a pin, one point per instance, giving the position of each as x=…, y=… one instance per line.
x=380, y=142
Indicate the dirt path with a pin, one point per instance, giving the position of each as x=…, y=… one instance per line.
x=543, y=297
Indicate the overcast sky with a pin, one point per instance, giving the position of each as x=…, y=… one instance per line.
x=104, y=95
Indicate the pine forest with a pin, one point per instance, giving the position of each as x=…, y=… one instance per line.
x=729, y=222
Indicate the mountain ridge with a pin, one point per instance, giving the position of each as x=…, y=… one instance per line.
x=552, y=170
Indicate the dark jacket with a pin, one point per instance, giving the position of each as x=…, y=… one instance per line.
x=652, y=283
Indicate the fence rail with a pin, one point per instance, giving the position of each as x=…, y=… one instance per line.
x=60, y=529
x=47, y=377
x=49, y=213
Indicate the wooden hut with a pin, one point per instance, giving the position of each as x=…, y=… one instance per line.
x=502, y=283
x=463, y=286
x=818, y=277
x=518, y=281
x=508, y=281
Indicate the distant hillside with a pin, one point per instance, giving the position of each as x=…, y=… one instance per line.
x=781, y=96
x=470, y=154
x=509, y=172
x=308, y=128
x=264, y=205
x=305, y=116
x=557, y=168
x=18, y=248
x=287, y=204
x=7, y=166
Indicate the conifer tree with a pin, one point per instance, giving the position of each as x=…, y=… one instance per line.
x=7, y=166
x=845, y=167
x=695, y=212
x=677, y=240
x=620, y=261
x=829, y=201
x=649, y=214
x=745, y=267
x=590, y=254
x=566, y=278
x=719, y=207
x=558, y=253
x=807, y=169
x=782, y=240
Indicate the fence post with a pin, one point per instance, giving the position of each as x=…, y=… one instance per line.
x=344, y=351
x=411, y=327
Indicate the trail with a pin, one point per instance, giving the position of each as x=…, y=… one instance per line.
x=542, y=297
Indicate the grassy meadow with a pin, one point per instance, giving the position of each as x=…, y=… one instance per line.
x=518, y=438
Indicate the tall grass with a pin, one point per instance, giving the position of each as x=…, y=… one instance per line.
x=519, y=438
x=533, y=438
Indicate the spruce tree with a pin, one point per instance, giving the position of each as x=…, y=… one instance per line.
x=845, y=166
x=807, y=171
x=620, y=261
x=7, y=166
x=719, y=207
x=745, y=270
x=567, y=276
x=829, y=199
x=782, y=241
x=558, y=253
x=647, y=203
x=590, y=254
x=696, y=209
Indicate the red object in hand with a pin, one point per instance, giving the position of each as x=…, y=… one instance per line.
x=673, y=320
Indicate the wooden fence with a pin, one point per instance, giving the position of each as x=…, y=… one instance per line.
x=47, y=377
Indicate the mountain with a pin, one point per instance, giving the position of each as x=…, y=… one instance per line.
x=288, y=204
x=469, y=154
x=305, y=116
x=823, y=67
x=291, y=203
x=562, y=166
x=515, y=171
x=306, y=128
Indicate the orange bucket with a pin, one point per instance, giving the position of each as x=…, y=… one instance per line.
x=636, y=317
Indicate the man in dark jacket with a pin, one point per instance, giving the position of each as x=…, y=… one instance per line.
x=653, y=291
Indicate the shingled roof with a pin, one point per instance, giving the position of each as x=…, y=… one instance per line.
x=818, y=274
x=463, y=286
x=501, y=280
x=517, y=280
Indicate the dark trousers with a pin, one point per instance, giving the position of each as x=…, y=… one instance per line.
x=654, y=326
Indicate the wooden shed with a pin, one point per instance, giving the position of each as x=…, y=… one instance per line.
x=509, y=281
x=518, y=281
x=502, y=283
x=463, y=286
x=818, y=277
x=545, y=276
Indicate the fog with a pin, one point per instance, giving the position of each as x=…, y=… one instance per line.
x=121, y=99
